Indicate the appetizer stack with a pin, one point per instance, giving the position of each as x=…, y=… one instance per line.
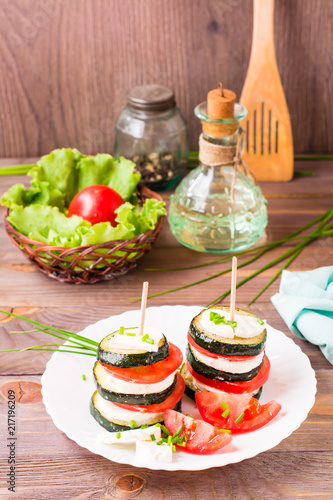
x=137, y=379
x=226, y=355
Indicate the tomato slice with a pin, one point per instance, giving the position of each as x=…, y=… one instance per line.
x=214, y=355
x=169, y=402
x=150, y=374
x=254, y=414
x=203, y=438
x=235, y=387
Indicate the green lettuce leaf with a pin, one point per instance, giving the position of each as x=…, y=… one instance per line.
x=60, y=175
x=57, y=176
x=18, y=195
x=103, y=169
x=50, y=226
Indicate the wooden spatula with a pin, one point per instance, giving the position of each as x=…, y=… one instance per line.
x=268, y=137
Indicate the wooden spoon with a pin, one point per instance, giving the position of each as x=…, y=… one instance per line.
x=268, y=137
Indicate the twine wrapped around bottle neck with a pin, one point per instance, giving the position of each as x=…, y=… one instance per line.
x=216, y=155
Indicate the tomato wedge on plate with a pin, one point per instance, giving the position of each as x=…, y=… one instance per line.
x=214, y=355
x=150, y=374
x=245, y=413
x=169, y=402
x=203, y=438
x=234, y=387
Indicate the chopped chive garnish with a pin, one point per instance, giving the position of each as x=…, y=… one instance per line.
x=158, y=425
x=181, y=439
x=218, y=319
x=160, y=442
x=145, y=337
x=175, y=439
x=188, y=415
x=132, y=424
x=130, y=334
x=225, y=413
x=144, y=426
x=121, y=330
x=179, y=430
x=118, y=435
x=182, y=444
x=152, y=437
x=165, y=430
x=169, y=440
x=226, y=430
x=260, y=321
x=225, y=406
x=239, y=418
x=84, y=377
x=186, y=439
x=149, y=341
x=173, y=448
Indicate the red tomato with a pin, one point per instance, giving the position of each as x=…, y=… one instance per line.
x=95, y=204
x=151, y=373
x=255, y=414
x=203, y=438
x=213, y=354
x=169, y=402
x=234, y=387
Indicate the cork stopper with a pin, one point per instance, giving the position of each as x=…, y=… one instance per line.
x=220, y=106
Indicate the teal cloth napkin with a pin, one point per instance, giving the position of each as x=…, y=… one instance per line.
x=305, y=302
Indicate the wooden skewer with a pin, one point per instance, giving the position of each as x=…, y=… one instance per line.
x=143, y=306
x=233, y=288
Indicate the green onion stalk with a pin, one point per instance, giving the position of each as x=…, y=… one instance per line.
x=192, y=162
x=323, y=229
x=76, y=344
x=16, y=169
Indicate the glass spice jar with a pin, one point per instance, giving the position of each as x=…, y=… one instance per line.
x=152, y=132
x=218, y=207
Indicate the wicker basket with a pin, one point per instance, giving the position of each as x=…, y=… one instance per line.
x=89, y=264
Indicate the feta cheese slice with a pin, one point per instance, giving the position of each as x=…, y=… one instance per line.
x=225, y=365
x=134, y=341
x=114, y=384
x=222, y=330
x=123, y=416
x=247, y=326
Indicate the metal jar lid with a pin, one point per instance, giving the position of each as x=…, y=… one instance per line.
x=151, y=98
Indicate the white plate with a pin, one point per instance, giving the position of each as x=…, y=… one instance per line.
x=66, y=395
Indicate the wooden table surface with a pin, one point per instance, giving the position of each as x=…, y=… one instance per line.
x=51, y=466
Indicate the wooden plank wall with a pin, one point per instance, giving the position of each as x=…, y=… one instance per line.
x=66, y=65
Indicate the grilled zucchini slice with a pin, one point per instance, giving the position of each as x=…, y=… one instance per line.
x=191, y=388
x=129, y=358
x=118, y=425
x=212, y=373
x=238, y=346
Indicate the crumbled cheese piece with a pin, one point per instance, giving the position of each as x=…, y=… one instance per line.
x=149, y=451
x=130, y=437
